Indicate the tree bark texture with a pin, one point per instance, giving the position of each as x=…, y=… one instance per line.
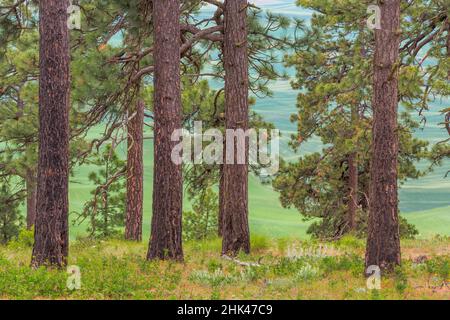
x=166, y=241
x=236, y=235
x=353, y=190
x=448, y=42
x=51, y=229
x=135, y=174
x=221, y=201
x=353, y=176
x=383, y=243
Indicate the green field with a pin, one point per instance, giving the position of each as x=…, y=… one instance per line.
x=267, y=217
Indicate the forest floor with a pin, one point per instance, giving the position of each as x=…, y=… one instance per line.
x=283, y=269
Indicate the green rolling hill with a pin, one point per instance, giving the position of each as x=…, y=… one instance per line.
x=267, y=217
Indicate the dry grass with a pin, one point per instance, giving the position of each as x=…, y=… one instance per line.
x=290, y=269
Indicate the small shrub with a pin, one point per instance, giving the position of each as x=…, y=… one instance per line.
x=307, y=273
x=351, y=263
x=441, y=238
x=401, y=280
x=253, y=273
x=287, y=266
x=202, y=221
x=214, y=265
x=214, y=279
x=351, y=242
x=439, y=269
x=407, y=230
x=104, y=212
x=26, y=283
x=24, y=240
x=10, y=219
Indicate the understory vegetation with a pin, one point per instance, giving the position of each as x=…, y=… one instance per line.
x=276, y=269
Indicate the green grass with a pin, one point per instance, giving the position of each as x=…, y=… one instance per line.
x=431, y=222
x=116, y=269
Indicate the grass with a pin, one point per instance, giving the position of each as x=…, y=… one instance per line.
x=431, y=222
x=116, y=269
x=292, y=267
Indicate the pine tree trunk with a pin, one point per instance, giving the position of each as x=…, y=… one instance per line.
x=353, y=177
x=221, y=201
x=448, y=42
x=383, y=243
x=135, y=174
x=353, y=190
x=51, y=229
x=105, y=198
x=166, y=241
x=31, y=186
x=221, y=181
x=235, y=215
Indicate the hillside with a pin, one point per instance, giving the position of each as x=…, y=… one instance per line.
x=267, y=217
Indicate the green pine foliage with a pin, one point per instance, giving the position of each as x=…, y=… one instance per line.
x=105, y=212
x=201, y=222
x=333, y=60
x=10, y=218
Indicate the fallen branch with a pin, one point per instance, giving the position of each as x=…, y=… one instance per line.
x=245, y=264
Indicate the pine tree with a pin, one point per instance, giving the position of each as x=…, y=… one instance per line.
x=333, y=60
x=200, y=223
x=10, y=218
x=51, y=230
x=105, y=211
x=135, y=174
x=266, y=37
x=18, y=91
x=426, y=43
x=383, y=241
x=166, y=239
x=235, y=228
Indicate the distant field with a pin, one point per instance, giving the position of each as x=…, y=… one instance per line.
x=267, y=217
x=431, y=222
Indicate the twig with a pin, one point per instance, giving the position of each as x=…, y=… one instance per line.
x=245, y=264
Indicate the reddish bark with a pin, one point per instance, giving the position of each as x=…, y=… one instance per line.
x=166, y=241
x=236, y=235
x=448, y=42
x=353, y=190
x=51, y=229
x=353, y=180
x=221, y=201
x=135, y=174
x=383, y=243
